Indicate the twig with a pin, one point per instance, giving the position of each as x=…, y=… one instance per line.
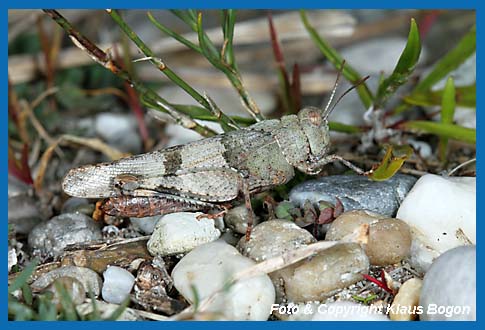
x=106, y=61
x=451, y=172
x=163, y=67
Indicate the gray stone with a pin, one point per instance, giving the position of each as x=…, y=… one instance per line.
x=145, y=225
x=319, y=277
x=89, y=278
x=73, y=286
x=237, y=219
x=451, y=283
x=52, y=236
x=356, y=192
x=272, y=238
x=75, y=204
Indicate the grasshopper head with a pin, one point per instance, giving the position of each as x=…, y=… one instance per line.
x=315, y=127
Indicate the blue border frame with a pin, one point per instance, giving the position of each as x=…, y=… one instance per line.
x=249, y=4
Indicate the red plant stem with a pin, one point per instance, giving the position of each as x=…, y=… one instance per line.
x=380, y=284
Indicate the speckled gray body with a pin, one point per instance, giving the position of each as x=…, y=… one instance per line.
x=356, y=192
x=214, y=169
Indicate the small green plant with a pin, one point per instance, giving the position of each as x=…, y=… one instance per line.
x=422, y=93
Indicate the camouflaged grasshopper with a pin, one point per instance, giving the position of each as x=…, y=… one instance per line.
x=205, y=174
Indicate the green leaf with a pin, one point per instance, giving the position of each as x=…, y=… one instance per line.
x=23, y=277
x=451, y=131
x=449, y=103
x=447, y=113
x=282, y=210
x=336, y=59
x=404, y=67
x=392, y=161
x=452, y=60
x=465, y=97
x=344, y=128
x=27, y=294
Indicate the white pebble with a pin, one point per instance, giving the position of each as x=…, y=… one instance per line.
x=178, y=233
x=117, y=285
x=449, y=290
x=441, y=212
x=206, y=269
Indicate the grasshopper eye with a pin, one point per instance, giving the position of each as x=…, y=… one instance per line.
x=314, y=117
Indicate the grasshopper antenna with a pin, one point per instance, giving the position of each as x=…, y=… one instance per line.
x=327, y=109
x=360, y=82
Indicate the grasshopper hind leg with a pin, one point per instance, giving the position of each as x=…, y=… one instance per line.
x=249, y=208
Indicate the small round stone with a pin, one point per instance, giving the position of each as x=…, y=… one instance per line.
x=348, y=222
x=237, y=219
x=389, y=239
x=319, y=277
x=272, y=238
x=389, y=242
x=52, y=236
x=178, y=233
x=117, y=285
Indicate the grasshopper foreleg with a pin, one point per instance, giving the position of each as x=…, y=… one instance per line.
x=317, y=166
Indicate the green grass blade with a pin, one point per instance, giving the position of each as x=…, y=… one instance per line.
x=336, y=59
x=465, y=97
x=405, y=66
x=228, y=30
x=447, y=113
x=173, y=34
x=19, y=311
x=206, y=45
x=344, y=128
x=23, y=277
x=450, y=131
x=452, y=60
x=68, y=307
x=186, y=17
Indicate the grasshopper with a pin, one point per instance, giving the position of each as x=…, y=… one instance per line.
x=205, y=174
